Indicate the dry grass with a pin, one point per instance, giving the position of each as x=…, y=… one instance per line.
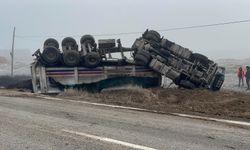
x=131, y=94
x=203, y=102
x=144, y=94
x=17, y=93
x=74, y=93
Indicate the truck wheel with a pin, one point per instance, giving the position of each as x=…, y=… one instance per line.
x=142, y=60
x=69, y=41
x=165, y=52
x=166, y=44
x=201, y=58
x=92, y=60
x=51, y=55
x=51, y=42
x=87, y=39
x=145, y=53
x=197, y=56
x=152, y=35
x=187, y=84
x=71, y=58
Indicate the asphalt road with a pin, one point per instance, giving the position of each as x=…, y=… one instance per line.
x=27, y=123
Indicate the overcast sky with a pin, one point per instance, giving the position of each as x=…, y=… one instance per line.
x=43, y=18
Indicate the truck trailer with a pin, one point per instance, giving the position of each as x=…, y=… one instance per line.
x=57, y=79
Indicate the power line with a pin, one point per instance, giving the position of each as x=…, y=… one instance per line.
x=206, y=25
x=139, y=32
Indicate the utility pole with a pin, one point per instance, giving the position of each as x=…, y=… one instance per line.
x=12, y=52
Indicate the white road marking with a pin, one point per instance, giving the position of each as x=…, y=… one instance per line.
x=96, y=104
x=109, y=140
x=213, y=119
x=154, y=111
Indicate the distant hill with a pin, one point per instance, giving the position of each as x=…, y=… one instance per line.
x=232, y=64
x=3, y=60
x=22, y=62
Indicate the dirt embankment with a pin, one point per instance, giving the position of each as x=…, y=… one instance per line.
x=223, y=104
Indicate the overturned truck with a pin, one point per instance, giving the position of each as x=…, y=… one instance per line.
x=92, y=66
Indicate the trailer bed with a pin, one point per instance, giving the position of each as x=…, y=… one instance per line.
x=56, y=79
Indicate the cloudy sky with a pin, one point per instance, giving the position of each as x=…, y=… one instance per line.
x=35, y=20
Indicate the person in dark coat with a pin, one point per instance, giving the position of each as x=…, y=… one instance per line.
x=248, y=77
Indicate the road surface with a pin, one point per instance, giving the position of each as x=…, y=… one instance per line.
x=27, y=123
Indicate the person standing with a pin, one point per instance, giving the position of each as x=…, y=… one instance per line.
x=248, y=77
x=241, y=75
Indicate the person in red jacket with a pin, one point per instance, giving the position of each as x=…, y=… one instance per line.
x=241, y=75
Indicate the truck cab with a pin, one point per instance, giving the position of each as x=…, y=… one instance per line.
x=181, y=65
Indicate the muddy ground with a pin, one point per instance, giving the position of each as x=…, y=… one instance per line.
x=221, y=104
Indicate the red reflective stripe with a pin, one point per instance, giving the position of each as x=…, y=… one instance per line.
x=90, y=72
x=70, y=73
x=64, y=73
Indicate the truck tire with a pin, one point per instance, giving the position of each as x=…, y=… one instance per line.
x=201, y=58
x=152, y=35
x=165, y=52
x=69, y=41
x=51, y=55
x=197, y=56
x=51, y=42
x=187, y=84
x=141, y=59
x=92, y=60
x=145, y=53
x=166, y=44
x=71, y=58
x=87, y=39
